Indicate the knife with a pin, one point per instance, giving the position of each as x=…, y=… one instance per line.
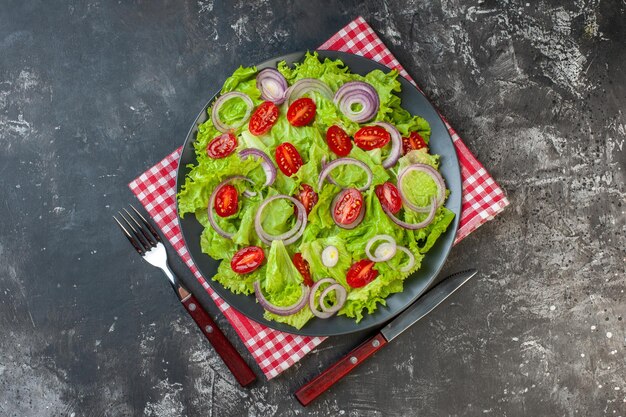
x=411, y=315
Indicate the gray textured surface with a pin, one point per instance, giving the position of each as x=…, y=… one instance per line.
x=93, y=92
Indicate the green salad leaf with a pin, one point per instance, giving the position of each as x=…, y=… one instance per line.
x=280, y=280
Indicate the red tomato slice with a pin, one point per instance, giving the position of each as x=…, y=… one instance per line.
x=349, y=207
x=371, y=137
x=308, y=197
x=247, y=259
x=288, y=159
x=226, y=201
x=303, y=267
x=389, y=197
x=338, y=141
x=361, y=273
x=222, y=146
x=263, y=118
x=301, y=112
x=414, y=142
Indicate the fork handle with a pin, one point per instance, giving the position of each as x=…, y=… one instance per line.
x=220, y=343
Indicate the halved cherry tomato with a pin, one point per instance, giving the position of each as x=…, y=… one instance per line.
x=414, y=142
x=389, y=197
x=226, y=201
x=303, y=267
x=338, y=141
x=263, y=118
x=247, y=259
x=361, y=273
x=308, y=197
x=301, y=112
x=222, y=146
x=349, y=207
x=371, y=137
x=288, y=159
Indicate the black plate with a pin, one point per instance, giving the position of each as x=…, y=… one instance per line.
x=440, y=143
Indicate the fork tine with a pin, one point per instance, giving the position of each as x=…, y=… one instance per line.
x=138, y=236
x=148, y=224
x=130, y=238
x=142, y=229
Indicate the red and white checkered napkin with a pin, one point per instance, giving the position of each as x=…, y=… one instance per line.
x=276, y=351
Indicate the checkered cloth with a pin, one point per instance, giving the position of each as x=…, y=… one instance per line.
x=276, y=351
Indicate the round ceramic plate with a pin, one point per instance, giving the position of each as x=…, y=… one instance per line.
x=415, y=285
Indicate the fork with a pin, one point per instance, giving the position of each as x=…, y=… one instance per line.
x=147, y=242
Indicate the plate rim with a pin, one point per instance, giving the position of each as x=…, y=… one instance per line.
x=224, y=293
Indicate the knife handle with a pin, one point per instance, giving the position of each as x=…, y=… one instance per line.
x=341, y=368
x=239, y=368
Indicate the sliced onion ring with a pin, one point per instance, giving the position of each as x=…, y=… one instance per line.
x=340, y=298
x=215, y=112
x=291, y=235
x=396, y=144
x=411, y=263
x=279, y=310
x=370, y=243
x=326, y=170
x=268, y=166
x=312, y=299
x=305, y=85
x=414, y=226
x=357, y=92
x=212, y=220
x=434, y=174
x=272, y=85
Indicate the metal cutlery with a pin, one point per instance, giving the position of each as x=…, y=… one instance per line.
x=147, y=242
x=406, y=319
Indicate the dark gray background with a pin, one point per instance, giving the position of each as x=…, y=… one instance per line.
x=93, y=92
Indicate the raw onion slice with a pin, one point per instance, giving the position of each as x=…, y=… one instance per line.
x=212, y=220
x=268, y=166
x=333, y=205
x=215, y=112
x=272, y=85
x=414, y=226
x=291, y=235
x=330, y=256
x=411, y=263
x=326, y=170
x=434, y=174
x=385, y=257
x=396, y=144
x=306, y=85
x=312, y=299
x=340, y=298
x=357, y=93
x=279, y=310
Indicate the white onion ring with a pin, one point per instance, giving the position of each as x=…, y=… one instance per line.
x=434, y=174
x=370, y=243
x=326, y=170
x=305, y=85
x=312, y=299
x=357, y=92
x=411, y=263
x=278, y=310
x=268, y=166
x=291, y=235
x=414, y=226
x=212, y=220
x=340, y=293
x=271, y=79
x=396, y=144
x=215, y=115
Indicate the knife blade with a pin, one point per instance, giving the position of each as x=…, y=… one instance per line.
x=406, y=319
